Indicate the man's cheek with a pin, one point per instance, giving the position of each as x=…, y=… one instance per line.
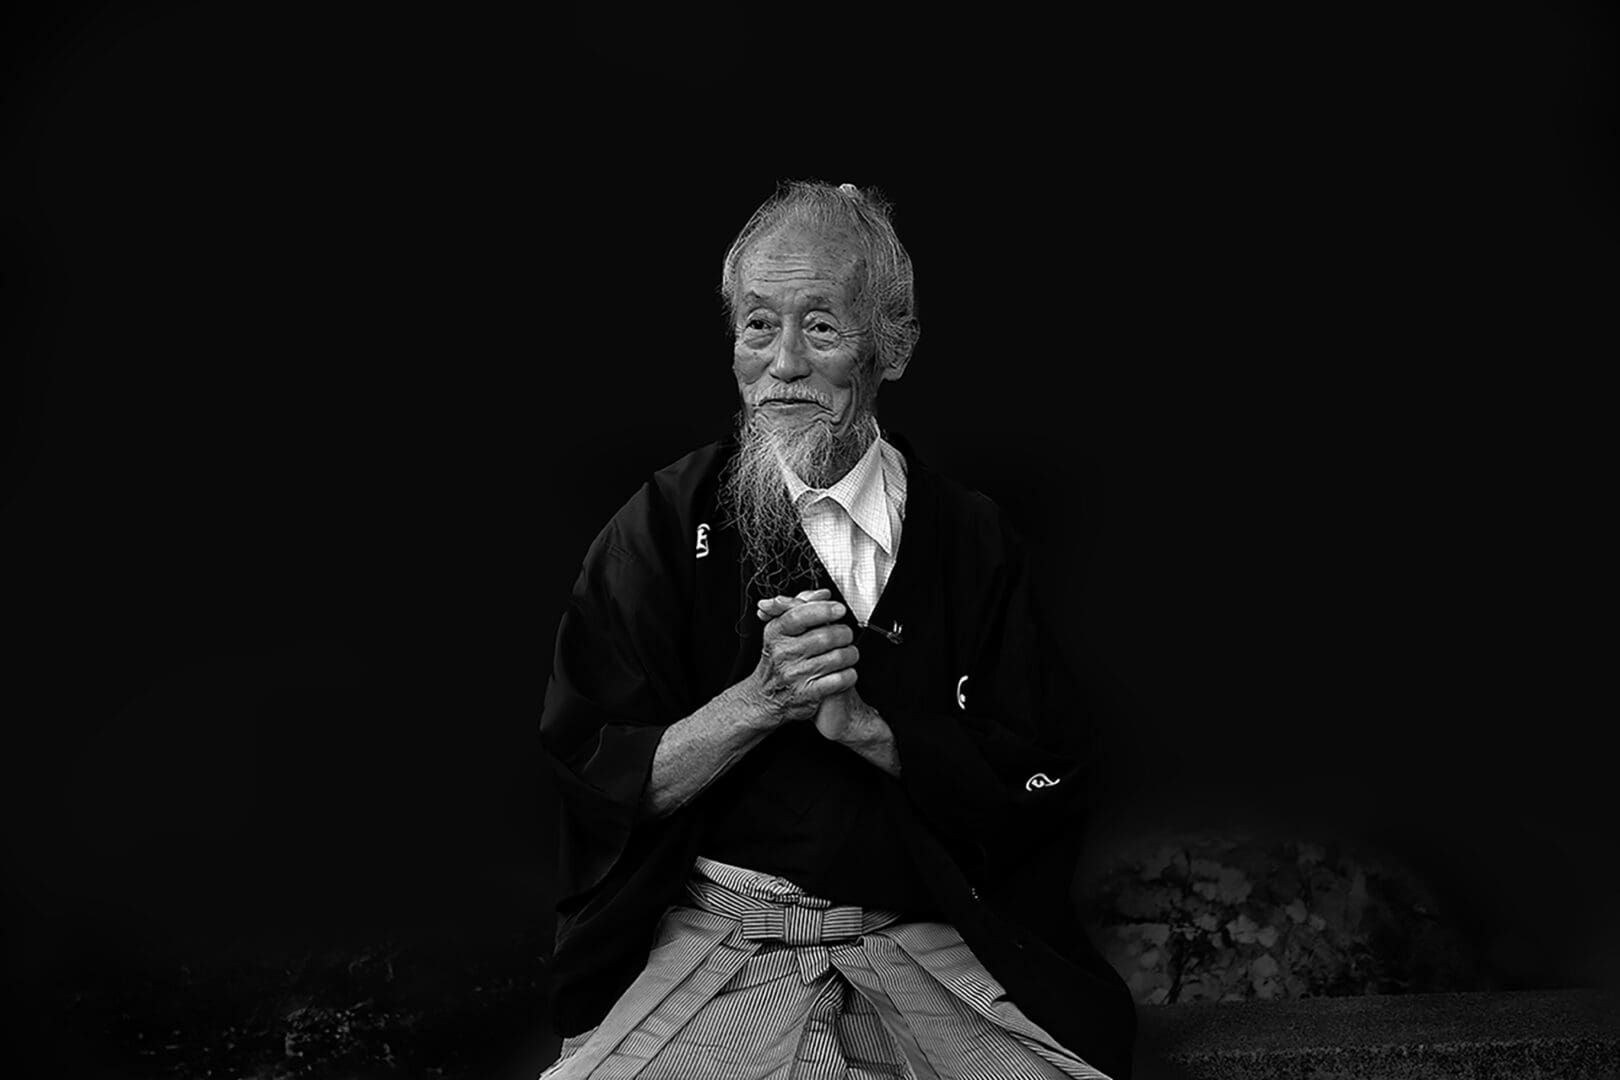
x=748, y=367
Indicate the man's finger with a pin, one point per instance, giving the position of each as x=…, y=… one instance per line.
x=772, y=606
x=831, y=684
x=809, y=615
x=835, y=659
x=789, y=601
x=826, y=638
x=815, y=641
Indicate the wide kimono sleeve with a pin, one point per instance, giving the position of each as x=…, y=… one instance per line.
x=997, y=766
x=618, y=681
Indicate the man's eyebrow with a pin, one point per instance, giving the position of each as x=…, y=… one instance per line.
x=812, y=302
x=817, y=302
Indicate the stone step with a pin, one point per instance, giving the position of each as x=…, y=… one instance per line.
x=1513, y=1035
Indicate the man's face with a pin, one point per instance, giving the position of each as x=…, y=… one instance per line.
x=798, y=346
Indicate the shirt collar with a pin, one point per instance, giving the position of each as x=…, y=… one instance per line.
x=862, y=492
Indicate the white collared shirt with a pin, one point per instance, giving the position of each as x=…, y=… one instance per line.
x=854, y=525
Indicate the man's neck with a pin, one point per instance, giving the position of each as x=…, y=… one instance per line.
x=850, y=450
x=857, y=470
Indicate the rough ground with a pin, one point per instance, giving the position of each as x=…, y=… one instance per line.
x=380, y=1010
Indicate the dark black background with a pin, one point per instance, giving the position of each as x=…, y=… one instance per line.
x=334, y=334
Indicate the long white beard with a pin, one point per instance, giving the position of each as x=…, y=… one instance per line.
x=755, y=494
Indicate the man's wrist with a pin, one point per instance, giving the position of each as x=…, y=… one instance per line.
x=755, y=708
x=866, y=726
x=870, y=736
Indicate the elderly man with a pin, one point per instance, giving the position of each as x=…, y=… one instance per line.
x=820, y=769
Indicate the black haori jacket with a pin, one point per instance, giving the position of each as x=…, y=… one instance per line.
x=988, y=731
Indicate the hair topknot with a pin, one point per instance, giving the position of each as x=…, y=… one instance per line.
x=886, y=296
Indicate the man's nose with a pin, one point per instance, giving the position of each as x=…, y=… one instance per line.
x=790, y=362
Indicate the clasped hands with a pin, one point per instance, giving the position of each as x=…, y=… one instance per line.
x=807, y=668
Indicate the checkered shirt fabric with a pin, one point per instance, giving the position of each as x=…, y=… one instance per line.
x=855, y=525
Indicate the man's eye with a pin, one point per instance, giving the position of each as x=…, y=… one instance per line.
x=822, y=330
x=756, y=325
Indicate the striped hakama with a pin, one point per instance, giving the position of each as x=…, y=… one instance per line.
x=758, y=980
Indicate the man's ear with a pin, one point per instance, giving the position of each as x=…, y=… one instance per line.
x=909, y=332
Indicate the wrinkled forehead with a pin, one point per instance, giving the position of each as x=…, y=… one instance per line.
x=799, y=256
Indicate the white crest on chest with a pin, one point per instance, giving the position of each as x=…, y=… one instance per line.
x=703, y=540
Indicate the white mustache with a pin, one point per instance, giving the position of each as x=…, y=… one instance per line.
x=794, y=395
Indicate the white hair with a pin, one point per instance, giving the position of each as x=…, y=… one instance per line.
x=755, y=495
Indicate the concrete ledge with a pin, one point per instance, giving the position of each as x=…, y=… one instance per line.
x=1523, y=1035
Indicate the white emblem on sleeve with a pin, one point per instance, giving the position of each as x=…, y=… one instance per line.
x=703, y=540
x=961, y=698
x=1040, y=780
